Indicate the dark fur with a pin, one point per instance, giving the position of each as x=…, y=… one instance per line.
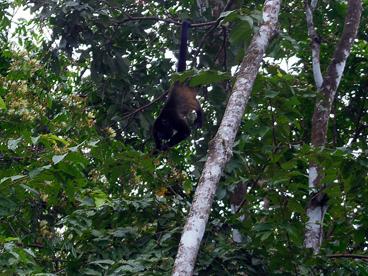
x=180, y=102
x=183, y=47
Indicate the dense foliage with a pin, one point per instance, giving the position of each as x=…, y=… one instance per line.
x=81, y=194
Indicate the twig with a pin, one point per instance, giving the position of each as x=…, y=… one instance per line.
x=15, y=182
x=347, y=256
x=222, y=48
x=214, y=26
x=60, y=271
x=136, y=111
x=132, y=18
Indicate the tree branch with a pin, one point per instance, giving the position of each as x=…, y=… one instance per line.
x=347, y=256
x=214, y=26
x=137, y=110
x=315, y=43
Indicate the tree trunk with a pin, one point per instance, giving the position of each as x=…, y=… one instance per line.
x=326, y=86
x=220, y=148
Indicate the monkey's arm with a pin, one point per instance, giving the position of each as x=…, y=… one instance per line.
x=199, y=120
x=183, y=131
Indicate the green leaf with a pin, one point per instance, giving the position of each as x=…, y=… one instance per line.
x=13, y=143
x=97, y=233
x=347, y=167
x=68, y=169
x=104, y=21
x=55, y=66
x=217, y=96
x=271, y=94
x=295, y=206
x=206, y=77
x=294, y=101
x=99, y=201
x=57, y=158
x=70, y=191
x=123, y=64
x=240, y=32
x=49, y=100
x=99, y=198
x=54, y=138
x=221, y=192
x=22, y=254
x=333, y=190
x=105, y=264
x=144, y=122
x=35, y=139
x=289, y=165
x=2, y=104
x=328, y=178
x=266, y=235
x=359, y=235
x=263, y=130
x=12, y=239
x=256, y=261
x=30, y=189
x=71, y=3
x=88, y=271
x=262, y=227
x=228, y=16
x=37, y=170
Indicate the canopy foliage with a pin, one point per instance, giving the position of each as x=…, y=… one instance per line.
x=81, y=194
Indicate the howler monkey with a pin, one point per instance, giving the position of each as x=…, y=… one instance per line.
x=180, y=101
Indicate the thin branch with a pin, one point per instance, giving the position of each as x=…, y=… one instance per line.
x=214, y=26
x=5, y=121
x=15, y=182
x=13, y=230
x=288, y=237
x=136, y=111
x=60, y=271
x=222, y=48
x=141, y=18
x=130, y=121
x=263, y=169
x=347, y=256
x=54, y=260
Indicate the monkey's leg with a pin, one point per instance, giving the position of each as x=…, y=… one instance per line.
x=158, y=141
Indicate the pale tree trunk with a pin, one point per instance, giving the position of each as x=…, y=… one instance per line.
x=220, y=148
x=327, y=86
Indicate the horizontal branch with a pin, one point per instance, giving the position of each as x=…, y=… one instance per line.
x=137, y=110
x=347, y=256
x=155, y=18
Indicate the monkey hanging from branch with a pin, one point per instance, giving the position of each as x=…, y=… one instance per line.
x=180, y=102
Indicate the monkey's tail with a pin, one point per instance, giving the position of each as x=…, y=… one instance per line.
x=183, y=47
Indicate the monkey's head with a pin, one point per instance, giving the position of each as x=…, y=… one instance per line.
x=163, y=129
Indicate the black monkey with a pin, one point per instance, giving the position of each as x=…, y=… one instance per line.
x=180, y=101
